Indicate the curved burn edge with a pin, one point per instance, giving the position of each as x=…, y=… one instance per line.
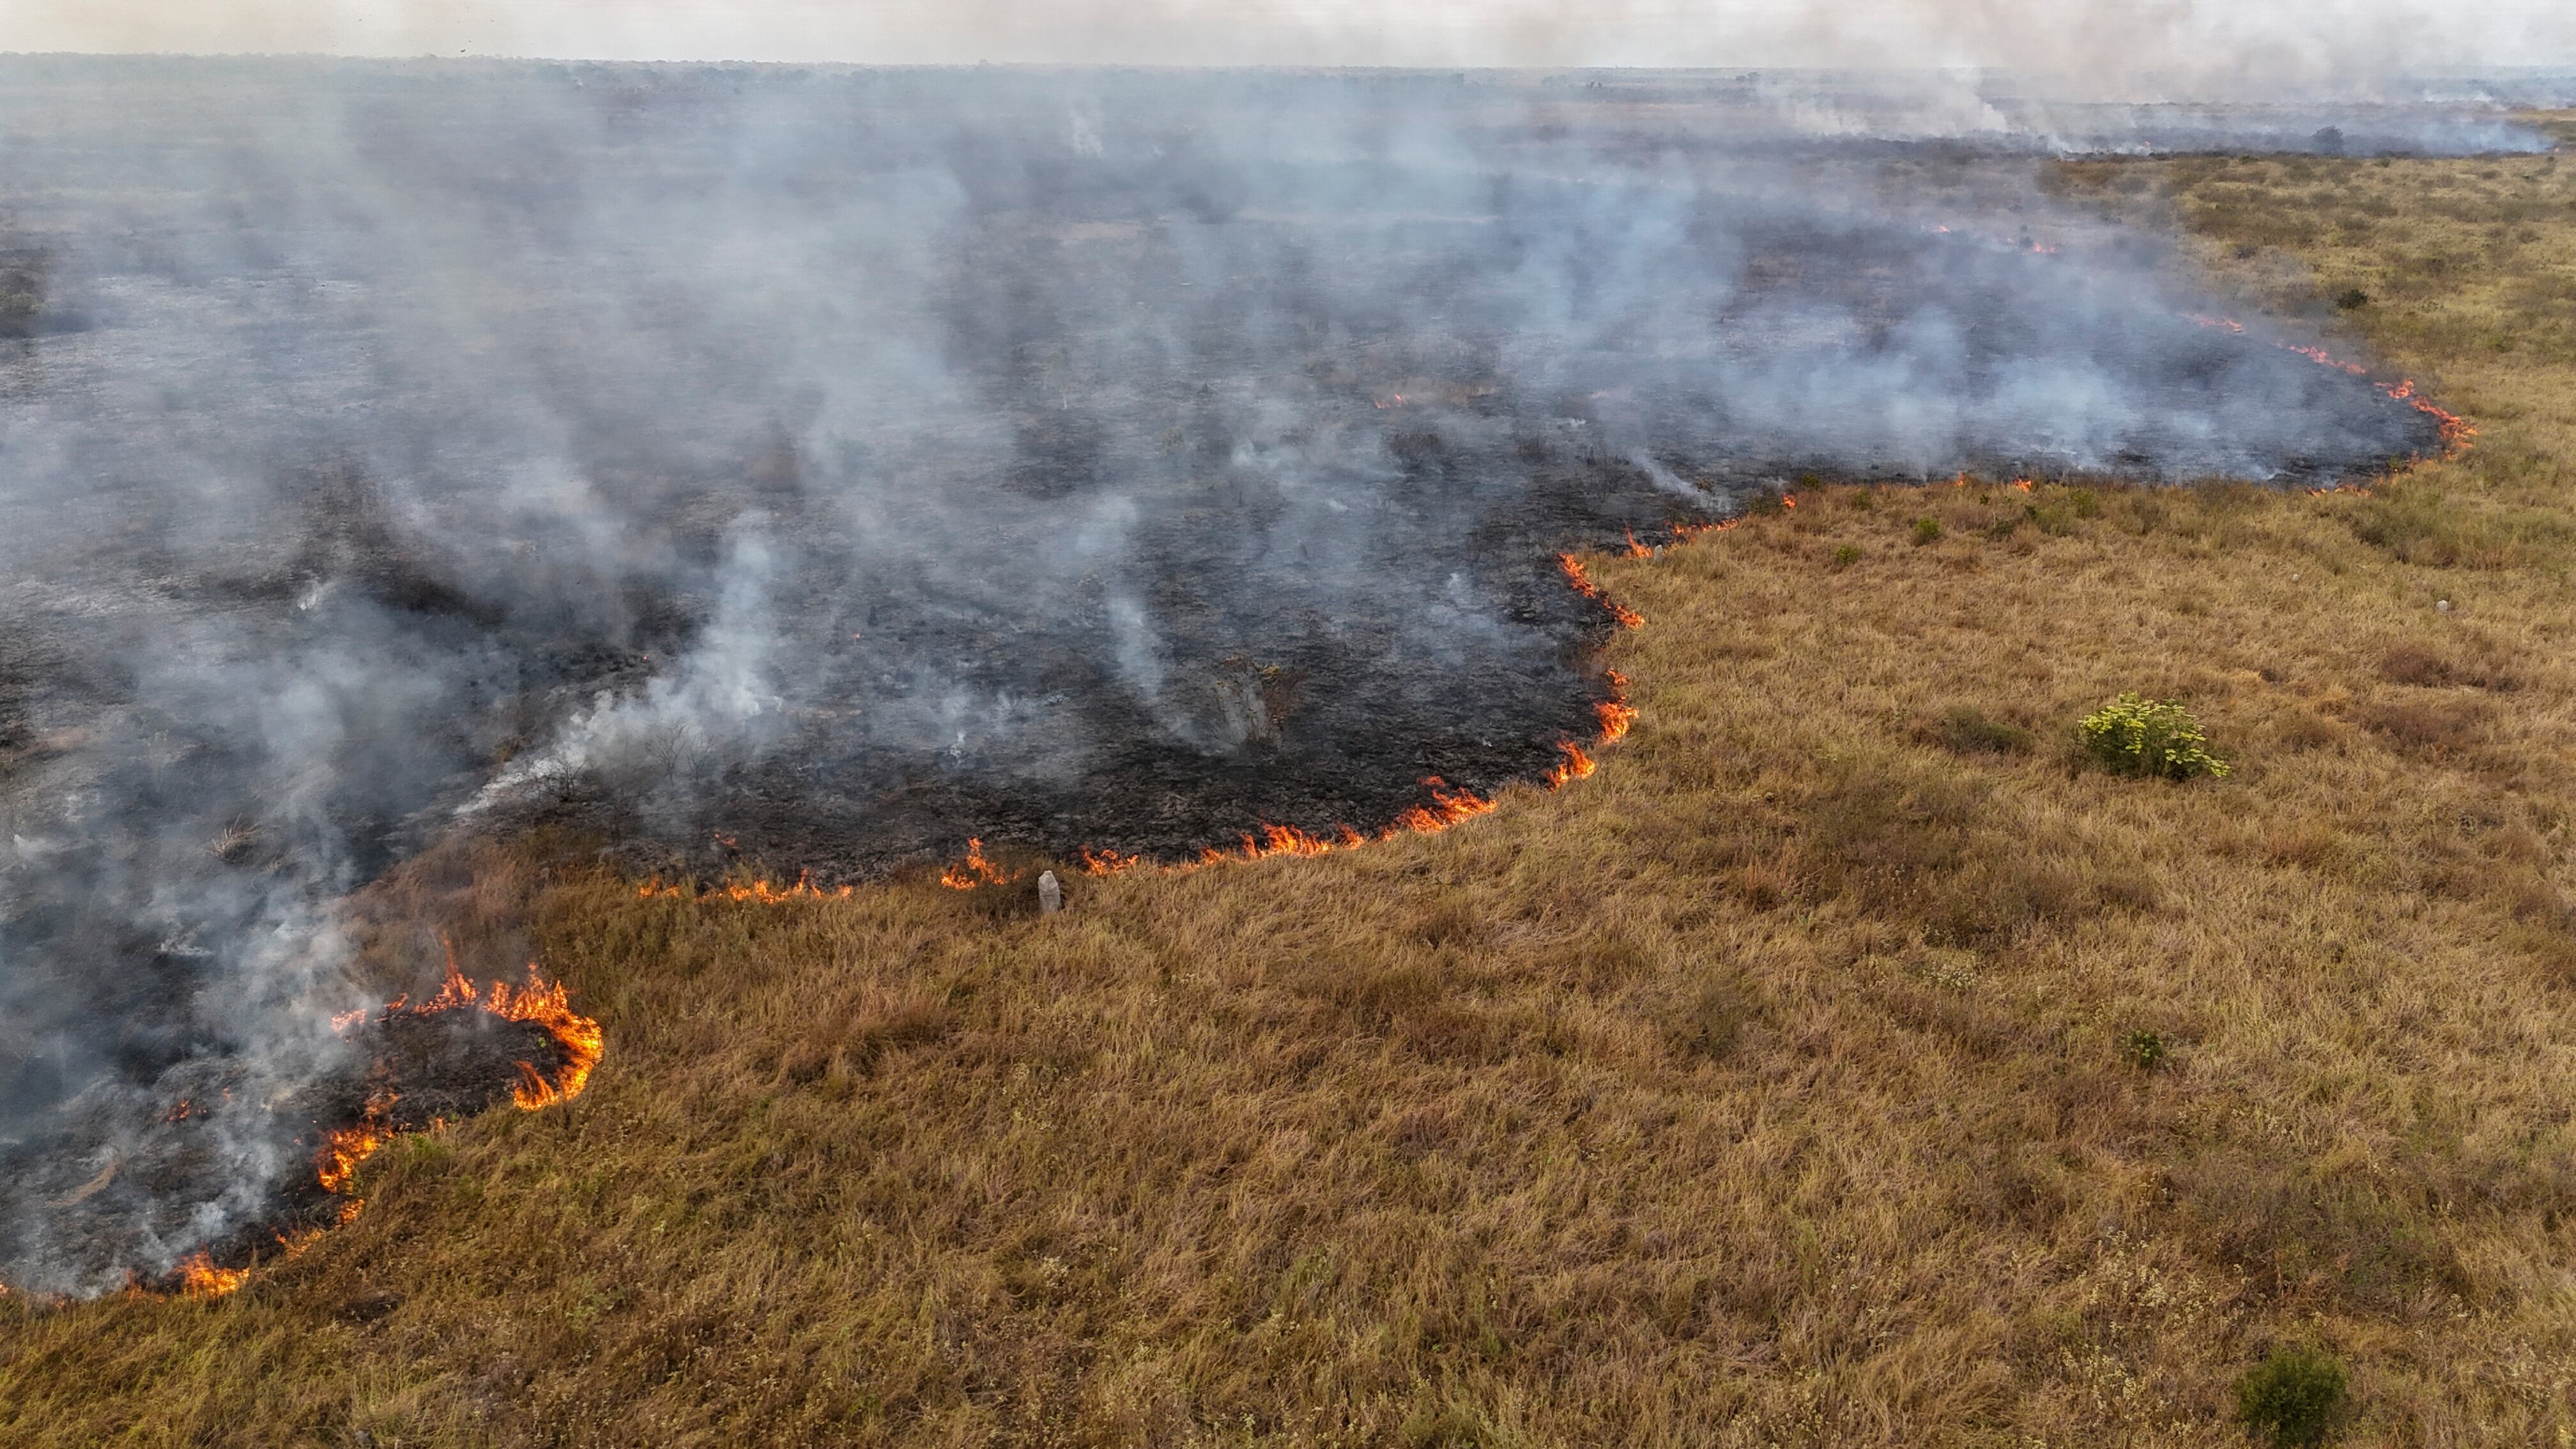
x=202, y=1275
x=1445, y=806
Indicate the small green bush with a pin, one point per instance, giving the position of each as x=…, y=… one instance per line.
x=2154, y=738
x=2293, y=1397
x=2352, y=299
x=1926, y=530
x=1846, y=556
x=2145, y=1048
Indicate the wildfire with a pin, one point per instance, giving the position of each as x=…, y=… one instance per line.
x=200, y=1278
x=1684, y=532
x=343, y=1151
x=2456, y=433
x=1575, y=766
x=2320, y=355
x=1448, y=806
x=974, y=870
x=1572, y=567
x=1615, y=715
x=1108, y=862
x=760, y=891
x=337, y=1163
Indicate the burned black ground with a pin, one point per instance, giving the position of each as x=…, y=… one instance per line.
x=783, y=474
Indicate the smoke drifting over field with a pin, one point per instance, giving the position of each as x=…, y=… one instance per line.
x=811, y=469
x=2119, y=49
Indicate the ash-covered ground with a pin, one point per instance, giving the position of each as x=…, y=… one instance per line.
x=807, y=471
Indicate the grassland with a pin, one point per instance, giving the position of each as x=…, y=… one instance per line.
x=1777, y=1085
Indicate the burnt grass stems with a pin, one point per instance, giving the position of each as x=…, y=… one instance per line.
x=1775, y=1085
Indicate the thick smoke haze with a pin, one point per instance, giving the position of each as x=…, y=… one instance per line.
x=808, y=468
x=2134, y=50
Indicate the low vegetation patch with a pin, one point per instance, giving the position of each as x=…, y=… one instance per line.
x=1970, y=731
x=2293, y=1397
x=2133, y=735
x=2145, y=1048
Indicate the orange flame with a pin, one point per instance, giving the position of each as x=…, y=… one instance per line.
x=1573, y=569
x=1108, y=862
x=343, y=1150
x=974, y=870
x=760, y=891
x=1448, y=806
x=1685, y=532
x=2456, y=433
x=200, y=1278
x=1575, y=766
x=336, y=1162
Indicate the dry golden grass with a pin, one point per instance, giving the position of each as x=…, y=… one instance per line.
x=1773, y=1086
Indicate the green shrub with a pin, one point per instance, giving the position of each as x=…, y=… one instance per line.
x=1926, y=530
x=2155, y=738
x=2293, y=1397
x=2146, y=1048
x=2352, y=299
x=1846, y=556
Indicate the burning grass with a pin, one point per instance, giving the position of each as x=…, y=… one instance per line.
x=464, y=1049
x=1781, y=1084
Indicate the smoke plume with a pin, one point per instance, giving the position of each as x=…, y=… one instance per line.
x=809, y=468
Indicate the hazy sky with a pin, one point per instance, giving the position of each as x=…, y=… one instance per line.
x=2228, y=45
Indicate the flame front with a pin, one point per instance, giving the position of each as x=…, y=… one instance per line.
x=200, y=1278
x=760, y=892
x=2456, y=433
x=1447, y=806
x=1572, y=568
x=337, y=1163
x=974, y=870
x=1108, y=862
x=344, y=1150
x=549, y=1006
